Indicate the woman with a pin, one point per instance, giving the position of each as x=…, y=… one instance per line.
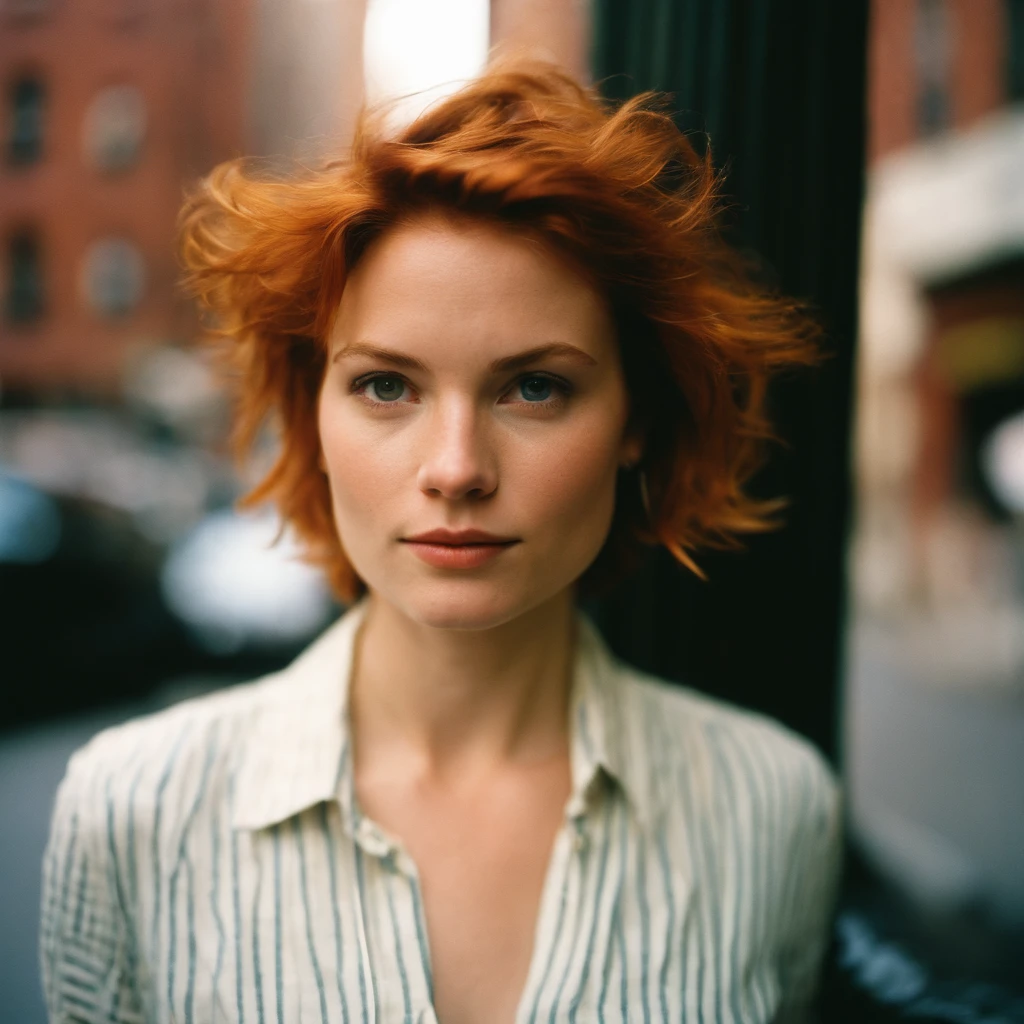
x=502, y=349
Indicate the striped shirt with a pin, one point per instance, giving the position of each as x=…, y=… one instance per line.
x=209, y=863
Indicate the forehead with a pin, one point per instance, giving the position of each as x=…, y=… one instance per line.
x=448, y=277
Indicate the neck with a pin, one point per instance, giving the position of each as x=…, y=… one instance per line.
x=463, y=701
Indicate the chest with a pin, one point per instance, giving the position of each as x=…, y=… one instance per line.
x=481, y=865
x=309, y=922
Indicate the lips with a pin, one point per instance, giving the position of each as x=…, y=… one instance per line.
x=459, y=538
x=458, y=549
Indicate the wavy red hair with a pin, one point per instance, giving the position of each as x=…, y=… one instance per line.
x=620, y=191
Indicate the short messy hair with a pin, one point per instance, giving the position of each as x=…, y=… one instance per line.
x=615, y=188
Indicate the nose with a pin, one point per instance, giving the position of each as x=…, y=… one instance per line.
x=458, y=461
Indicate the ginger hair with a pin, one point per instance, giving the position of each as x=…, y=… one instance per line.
x=617, y=189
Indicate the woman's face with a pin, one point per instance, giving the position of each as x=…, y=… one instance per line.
x=473, y=382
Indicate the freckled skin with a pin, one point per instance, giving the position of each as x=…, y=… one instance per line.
x=463, y=448
x=458, y=702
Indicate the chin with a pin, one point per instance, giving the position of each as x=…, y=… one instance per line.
x=465, y=604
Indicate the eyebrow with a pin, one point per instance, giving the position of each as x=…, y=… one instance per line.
x=506, y=363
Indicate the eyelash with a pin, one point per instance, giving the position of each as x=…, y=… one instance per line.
x=360, y=384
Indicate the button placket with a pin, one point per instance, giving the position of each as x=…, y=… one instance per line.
x=372, y=840
x=362, y=932
x=580, y=838
x=390, y=863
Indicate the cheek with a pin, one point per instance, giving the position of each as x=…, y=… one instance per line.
x=357, y=483
x=578, y=478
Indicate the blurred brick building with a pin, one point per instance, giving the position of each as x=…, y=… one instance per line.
x=935, y=65
x=933, y=723
x=942, y=340
x=109, y=107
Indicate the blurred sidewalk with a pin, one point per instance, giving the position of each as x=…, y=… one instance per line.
x=933, y=761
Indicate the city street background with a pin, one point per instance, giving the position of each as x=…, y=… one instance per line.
x=130, y=580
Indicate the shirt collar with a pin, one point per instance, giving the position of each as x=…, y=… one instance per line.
x=610, y=729
x=297, y=752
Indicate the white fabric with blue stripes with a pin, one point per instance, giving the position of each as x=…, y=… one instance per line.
x=209, y=864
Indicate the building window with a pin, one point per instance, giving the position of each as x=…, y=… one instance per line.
x=1015, y=51
x=114, y=127
x=24, y=300
x=26, y=102
x=123, y=14
x=24, y=10
x=113, y=276
x=932, y=46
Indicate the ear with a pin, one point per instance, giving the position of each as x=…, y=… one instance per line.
x=632, y=448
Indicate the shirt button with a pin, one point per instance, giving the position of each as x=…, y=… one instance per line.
x=372, y=840
x=579, y=842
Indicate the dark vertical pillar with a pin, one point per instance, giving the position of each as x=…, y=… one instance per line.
x=779, y=87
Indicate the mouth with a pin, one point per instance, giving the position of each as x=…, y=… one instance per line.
x=461, y=544
x=467, y=555
x=458, y=538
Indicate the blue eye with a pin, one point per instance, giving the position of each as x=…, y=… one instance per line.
x=536, y=389
x=391, y=389
x=386, y=388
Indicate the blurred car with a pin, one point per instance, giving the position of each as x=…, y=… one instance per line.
x=238, y=581
x=82, y=620
x=93, y=611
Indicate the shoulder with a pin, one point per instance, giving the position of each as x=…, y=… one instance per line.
x=157, y=759
x=119, y=814
x=727, y=753
x=200, y=760
x=182, y=732
x=207, y=733
x=763, y=799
